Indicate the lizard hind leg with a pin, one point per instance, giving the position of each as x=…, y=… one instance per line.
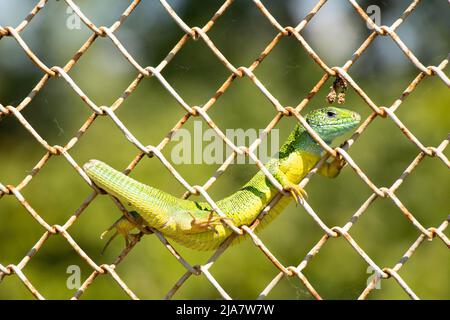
x=124, y=226
x=206, y=223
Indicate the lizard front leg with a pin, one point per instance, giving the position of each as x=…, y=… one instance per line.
x=297, y=192
x=333, y=168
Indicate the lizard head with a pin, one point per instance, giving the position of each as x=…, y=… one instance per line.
x=331, y=122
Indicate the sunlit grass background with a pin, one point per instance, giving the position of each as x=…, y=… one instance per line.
x=383, y=152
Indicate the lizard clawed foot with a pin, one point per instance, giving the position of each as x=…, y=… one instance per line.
x=208, y=223
x=339, y=162
x=123, y=226
x=297, y=192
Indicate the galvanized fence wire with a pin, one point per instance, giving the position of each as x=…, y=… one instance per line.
x=201, y=34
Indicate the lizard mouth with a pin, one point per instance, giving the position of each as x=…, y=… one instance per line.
x=347, y=124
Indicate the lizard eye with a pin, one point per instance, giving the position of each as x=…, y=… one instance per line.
x=331, y=114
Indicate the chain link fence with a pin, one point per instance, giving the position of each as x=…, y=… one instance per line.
x=103, y=33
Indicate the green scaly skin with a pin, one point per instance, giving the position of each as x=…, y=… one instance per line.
x=191, y=223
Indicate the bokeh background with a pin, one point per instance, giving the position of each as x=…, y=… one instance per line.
x=241, y=34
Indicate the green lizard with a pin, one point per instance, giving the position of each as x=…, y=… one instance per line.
x=192, y=223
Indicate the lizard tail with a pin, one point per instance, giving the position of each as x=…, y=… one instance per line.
x=152, y=203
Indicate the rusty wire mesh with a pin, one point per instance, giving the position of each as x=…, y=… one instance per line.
x=201, y=34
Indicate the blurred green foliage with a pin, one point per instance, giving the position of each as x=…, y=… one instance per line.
x=150, y=112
